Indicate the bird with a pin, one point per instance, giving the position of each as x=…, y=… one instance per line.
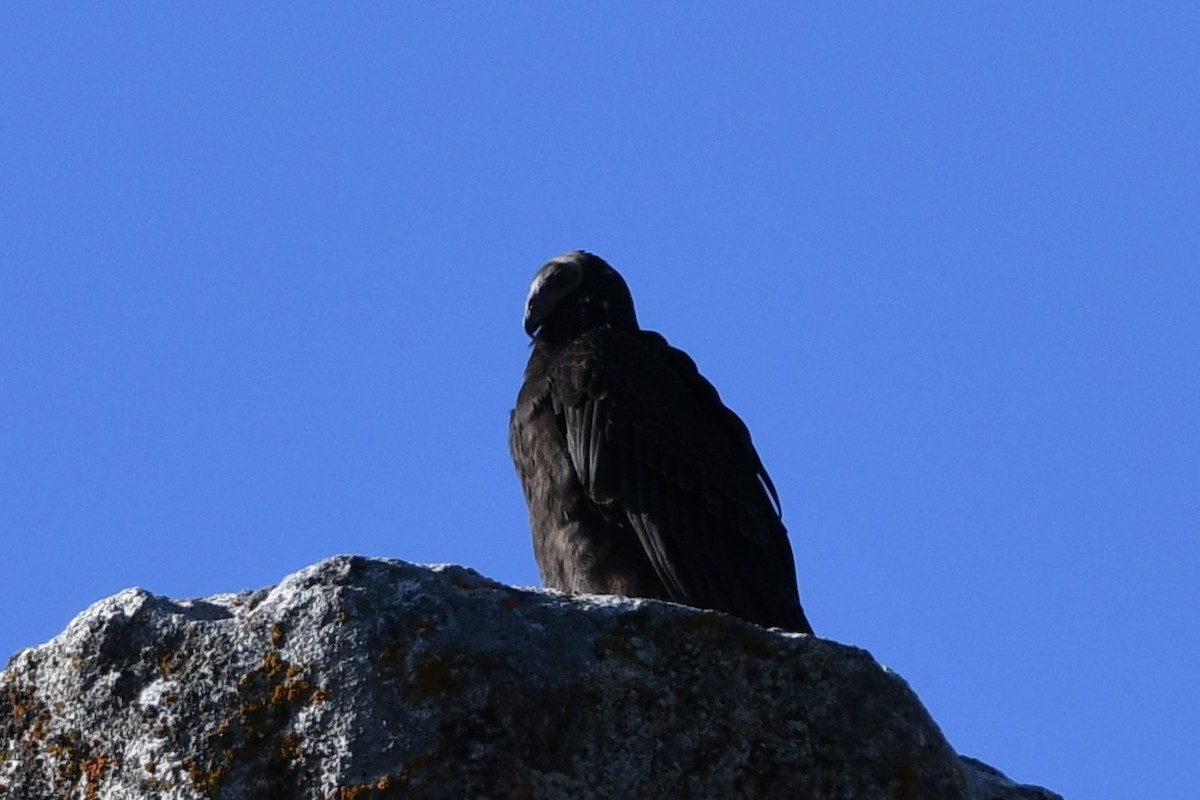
x=639, y=480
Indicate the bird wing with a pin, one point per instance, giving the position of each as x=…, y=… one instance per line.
x=650, y=440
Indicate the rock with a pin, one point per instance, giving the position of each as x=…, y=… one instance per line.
x=365, y=678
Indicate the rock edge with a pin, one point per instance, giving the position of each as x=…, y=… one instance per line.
x=372, y=678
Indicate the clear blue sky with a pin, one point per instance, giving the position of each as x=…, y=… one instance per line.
x=262, y=269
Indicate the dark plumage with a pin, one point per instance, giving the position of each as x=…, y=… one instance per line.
x=639, y=480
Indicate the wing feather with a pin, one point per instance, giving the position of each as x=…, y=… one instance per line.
x=651, y=441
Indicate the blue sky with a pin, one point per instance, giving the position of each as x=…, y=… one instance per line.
x=262, y=268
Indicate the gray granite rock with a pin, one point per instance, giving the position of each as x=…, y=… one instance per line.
x=366, y=678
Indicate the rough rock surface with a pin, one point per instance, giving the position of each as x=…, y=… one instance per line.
x=365, y=678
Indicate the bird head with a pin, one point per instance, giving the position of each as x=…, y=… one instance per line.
x=575, y=292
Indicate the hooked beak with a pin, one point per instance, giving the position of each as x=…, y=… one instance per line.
x=554, y=281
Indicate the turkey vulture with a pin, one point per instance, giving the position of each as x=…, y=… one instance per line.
x=639, y=480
